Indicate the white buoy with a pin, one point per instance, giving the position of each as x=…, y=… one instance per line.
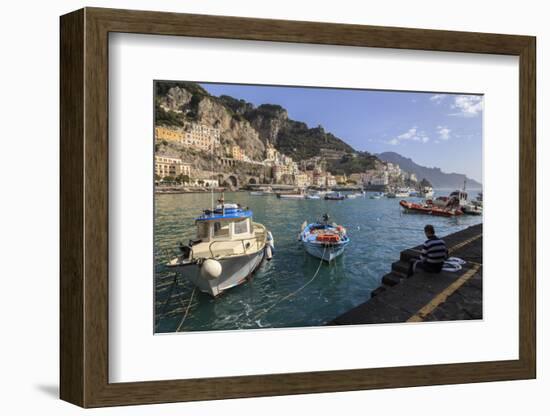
x=211, y=269
x=269, y=246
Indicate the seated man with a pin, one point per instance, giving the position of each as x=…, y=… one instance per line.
x=434, y=253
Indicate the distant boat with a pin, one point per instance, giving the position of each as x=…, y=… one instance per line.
x=351, y=196
x=291, y=196
x=262, y=192
x=228, y=249
x=472, y=209
x=377, y=195
x=323, y=240
x=334, y=196
x=402, y=193
x=430, y=209
x=427, y=192
x=313, y=196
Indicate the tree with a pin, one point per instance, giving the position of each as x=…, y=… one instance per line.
x=169, y=179
x=181, y=178
x=157, y=177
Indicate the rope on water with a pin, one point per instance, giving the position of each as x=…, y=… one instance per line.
x=163, y=313
x=186, y=310
x=296, y=291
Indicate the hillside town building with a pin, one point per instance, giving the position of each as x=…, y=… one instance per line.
x=171, y=166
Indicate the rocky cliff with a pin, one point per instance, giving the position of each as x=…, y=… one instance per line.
x=241, y=123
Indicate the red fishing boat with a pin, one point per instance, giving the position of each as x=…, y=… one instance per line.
x=430, y=209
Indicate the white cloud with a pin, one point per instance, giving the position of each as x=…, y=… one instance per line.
x=413, y=134
x=437, y=98
x=467, y=105
x=443, y=132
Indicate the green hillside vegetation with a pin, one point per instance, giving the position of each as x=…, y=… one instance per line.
x=167, y=118
x=300, y=142
x=352, y=163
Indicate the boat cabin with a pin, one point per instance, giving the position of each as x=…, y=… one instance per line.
x=226, y=222
x=461, y=196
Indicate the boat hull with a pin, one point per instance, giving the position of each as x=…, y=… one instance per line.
x=292, y=196
x=326, y=252
x=413, y=208
x=235, y=271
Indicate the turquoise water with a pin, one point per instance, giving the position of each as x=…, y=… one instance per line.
x=378, y=232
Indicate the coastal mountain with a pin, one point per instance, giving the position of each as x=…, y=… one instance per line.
x=254, y=128
x=241, y=123
x=436, y=176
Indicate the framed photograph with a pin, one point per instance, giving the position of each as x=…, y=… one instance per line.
x=255, y=207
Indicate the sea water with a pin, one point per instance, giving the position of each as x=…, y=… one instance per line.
x=378, y=230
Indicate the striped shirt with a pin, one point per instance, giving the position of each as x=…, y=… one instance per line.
x=434, y=250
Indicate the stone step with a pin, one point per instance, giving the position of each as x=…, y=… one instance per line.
x=392, y=279
x=400, y=267
x=408, y=254
x=378, y=290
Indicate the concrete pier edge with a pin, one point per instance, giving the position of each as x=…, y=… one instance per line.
x=444, y=296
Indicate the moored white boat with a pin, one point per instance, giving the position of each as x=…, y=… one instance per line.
x=472, y=209
x=334, y=196
x=323, y=240
x=427, y=192
x=228, y=249
x=402, y=193
x=262, y=192
x=292, y=196
x=313, y=196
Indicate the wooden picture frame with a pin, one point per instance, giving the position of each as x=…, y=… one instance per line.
x=84, y=207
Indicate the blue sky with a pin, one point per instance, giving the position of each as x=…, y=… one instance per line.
x=433, y=129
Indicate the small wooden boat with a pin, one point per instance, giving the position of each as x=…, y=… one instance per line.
x=323, y=240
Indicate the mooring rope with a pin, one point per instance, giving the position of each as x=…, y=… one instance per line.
x=296, y=291
x=163, y=313
x=187, y=310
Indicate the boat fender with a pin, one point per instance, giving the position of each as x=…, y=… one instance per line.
x=269, y=246
x=270, y=240
x=268, y=252
x=211, y=269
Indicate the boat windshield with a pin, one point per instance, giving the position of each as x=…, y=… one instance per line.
x=241, y=227
x=202, y=230
x=221, y=229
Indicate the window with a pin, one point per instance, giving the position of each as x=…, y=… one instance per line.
x=241, y=227
x=202, y=230
x=221, y=229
